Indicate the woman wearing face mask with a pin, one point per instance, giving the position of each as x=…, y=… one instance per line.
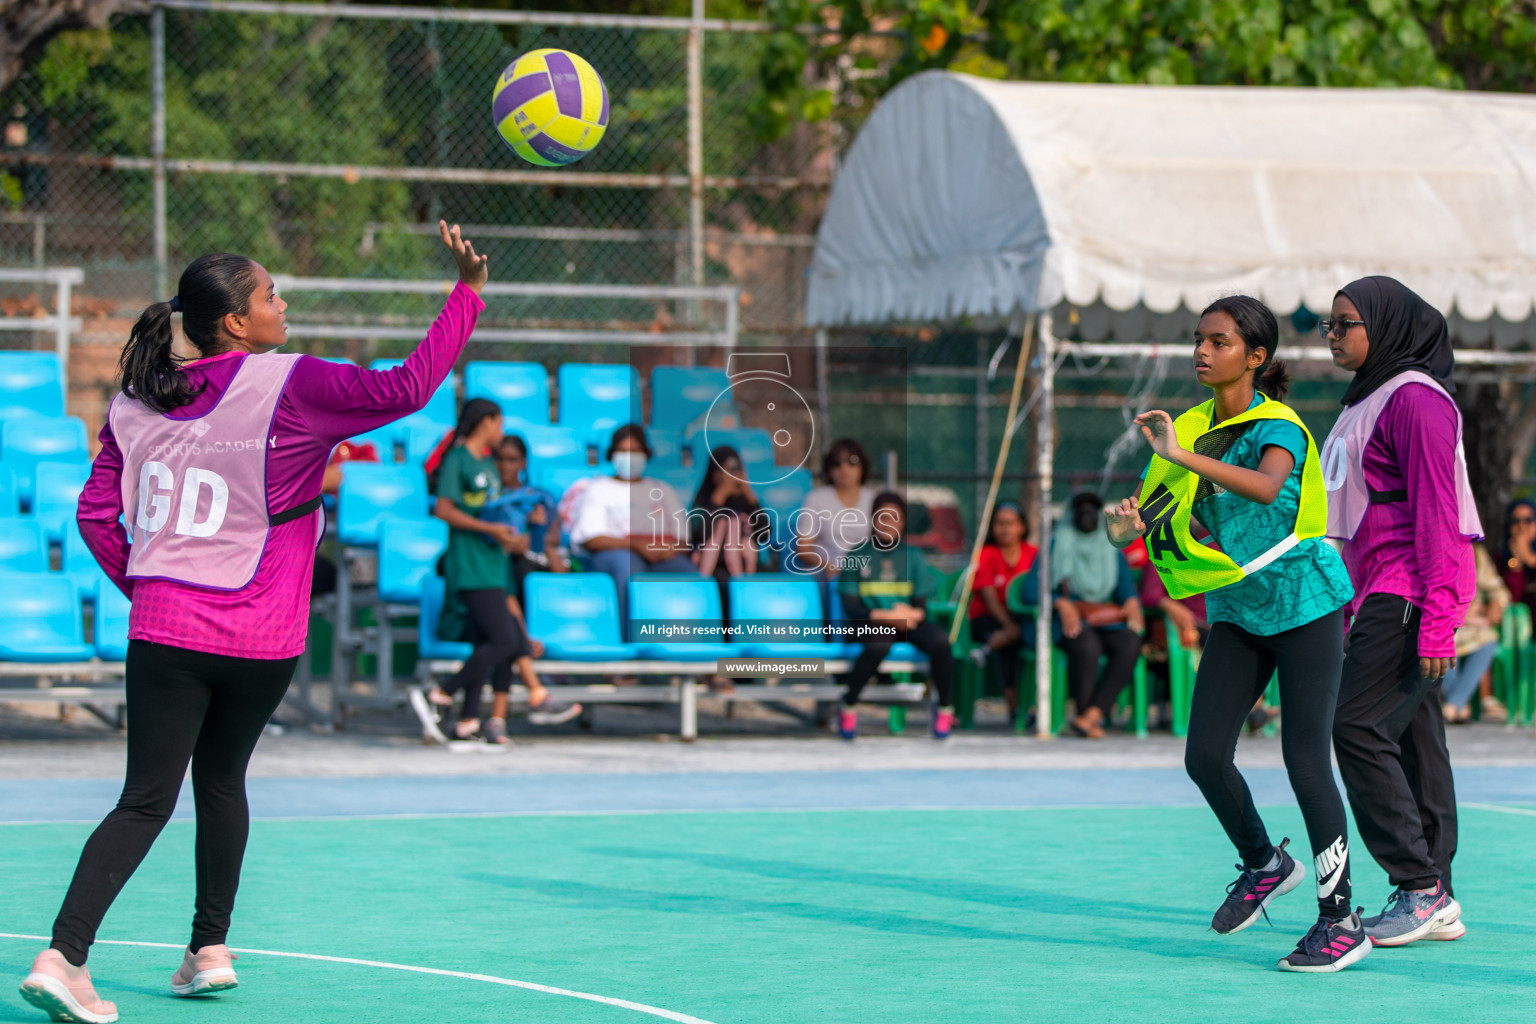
x=629, y=522
x=1097, y=614
x=1274, y=591
x=1400, y=504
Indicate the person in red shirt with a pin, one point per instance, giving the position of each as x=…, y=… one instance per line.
x=1000, y=636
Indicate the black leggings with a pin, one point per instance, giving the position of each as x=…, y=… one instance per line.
x=1005, y=659
x=1234, y=672
x=183, y=706
x=1121, y=647
x=930, y=638
x=499, y=641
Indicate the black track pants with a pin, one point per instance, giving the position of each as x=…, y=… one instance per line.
x=498, y=640
x=1390, y=738
x=1234, y=672
x=183, y=706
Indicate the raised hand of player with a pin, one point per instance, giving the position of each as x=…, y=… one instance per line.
x=1157, y=428
x=472, y=268
x=1123, y=522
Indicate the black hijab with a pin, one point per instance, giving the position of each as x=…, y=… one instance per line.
x=1406, y=333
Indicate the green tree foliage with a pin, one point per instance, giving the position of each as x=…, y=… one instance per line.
x=1478, y=44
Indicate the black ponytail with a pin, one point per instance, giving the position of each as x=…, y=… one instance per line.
x=212, y=287
x=471, y=414
x=1257, y=327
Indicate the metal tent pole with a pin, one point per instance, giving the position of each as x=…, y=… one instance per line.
x=1046, y=447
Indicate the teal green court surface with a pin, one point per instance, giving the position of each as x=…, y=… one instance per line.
x=770, y=917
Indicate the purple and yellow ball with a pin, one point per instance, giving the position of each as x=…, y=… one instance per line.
x=551, y=107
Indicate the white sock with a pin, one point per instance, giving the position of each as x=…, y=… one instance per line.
x=1272, y=863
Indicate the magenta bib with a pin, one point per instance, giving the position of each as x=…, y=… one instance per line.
x=1343, y=466
x=195, y=491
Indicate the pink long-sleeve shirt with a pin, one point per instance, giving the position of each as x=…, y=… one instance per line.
x=1415, y=549
x=322, y=405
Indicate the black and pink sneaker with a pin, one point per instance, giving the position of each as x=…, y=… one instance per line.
x=1254, y=890
x=1329, y=946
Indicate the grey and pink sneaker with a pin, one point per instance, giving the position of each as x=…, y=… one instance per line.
x=1254, y=890
x=208, y=970
x=64, y=992
x=847, y=723
x=1329, y=946
x=943, y=722
x=1411, y=915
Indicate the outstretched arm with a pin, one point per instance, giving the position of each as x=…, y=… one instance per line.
x=1261, y=485
x=339, y=401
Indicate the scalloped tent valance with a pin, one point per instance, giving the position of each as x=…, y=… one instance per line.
x=968, y=197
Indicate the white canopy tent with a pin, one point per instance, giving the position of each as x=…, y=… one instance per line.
x=1135, y=206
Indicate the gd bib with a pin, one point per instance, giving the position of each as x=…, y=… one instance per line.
x=1169, y=493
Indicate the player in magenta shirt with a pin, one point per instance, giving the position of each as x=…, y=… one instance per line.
x=1399, y=503
x=216, y=464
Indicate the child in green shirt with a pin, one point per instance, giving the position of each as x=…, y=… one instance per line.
x=885, y=580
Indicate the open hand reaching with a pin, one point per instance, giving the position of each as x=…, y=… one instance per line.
x=472, y=268
x=1123, y=522
x=1157, y=427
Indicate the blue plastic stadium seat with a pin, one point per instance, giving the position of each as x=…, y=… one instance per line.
x=680, y=394
x=372, y=492
x=10, y=501
x=79, y=564
x=57, y=495
x=778, y=599
x=26, y=442
x=41, y=612
x=684, y=480
x=782, y=498
x=557, y=479
x=753, y=445
x=666, y=445
x=383, y=440
x=30, y=385
x=422, y=442
x=442, y=407
x=428, y=646
x=560, y=445
x=679, y=598
x=23, y=546
x=594, y=396
x=408, y=553
x=111, y=618
x=575, y=616
x=521, y=389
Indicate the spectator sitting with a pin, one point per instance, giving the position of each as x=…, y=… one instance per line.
x=1097, y=613
x=1519, y=555
x=885, y=580
x=629, y=522
x=529, y=511
x=1477, y=644
x=727, y=523
x=993, y=627
x=834, y=518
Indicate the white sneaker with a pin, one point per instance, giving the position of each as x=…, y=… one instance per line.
x=1451, y=930
x=64, y=991
x=209, y=970
x=431, y=731
x=550, y=713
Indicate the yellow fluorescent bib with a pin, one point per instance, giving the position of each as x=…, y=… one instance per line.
x=1169, y=493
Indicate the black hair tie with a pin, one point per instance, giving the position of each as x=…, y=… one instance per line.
x=175, y=303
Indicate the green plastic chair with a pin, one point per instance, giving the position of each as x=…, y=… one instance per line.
x=1515, y=667
x=1021, y=600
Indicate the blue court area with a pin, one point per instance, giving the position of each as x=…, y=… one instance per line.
x=1040, y=895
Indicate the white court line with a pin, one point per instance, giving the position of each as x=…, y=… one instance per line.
x=641, y=812
x=490, y=979
x=1500, y=808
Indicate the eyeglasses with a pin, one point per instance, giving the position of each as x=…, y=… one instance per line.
x=1326, y=326
x=852, y=460
x=509, y=458
x=1523, y=520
